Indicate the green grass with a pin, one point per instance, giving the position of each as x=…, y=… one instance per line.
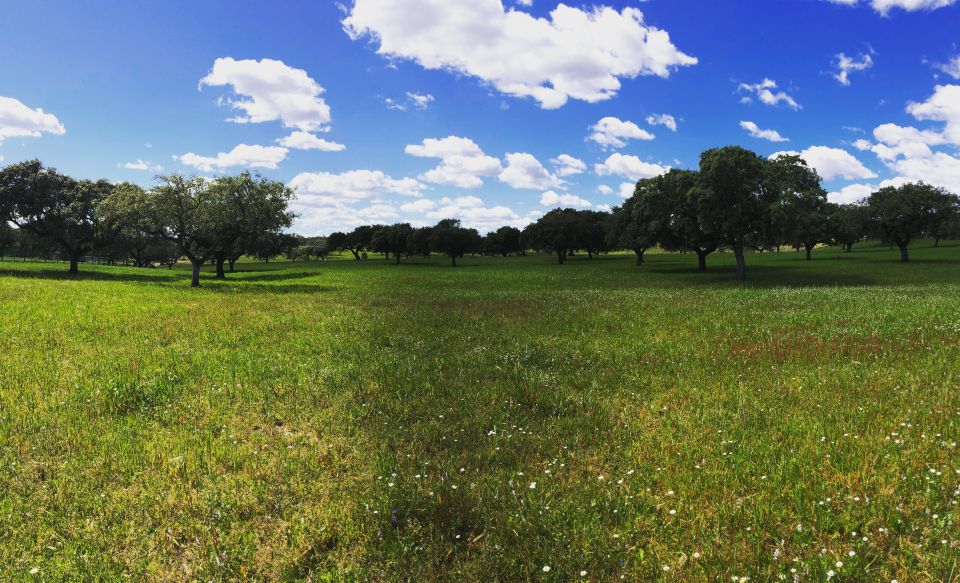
x=367, y=421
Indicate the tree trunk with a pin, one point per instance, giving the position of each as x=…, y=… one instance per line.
x=741, y=274
x=701, y=259
x=849, y=247
x=936, y=241
x=74, y=263
x=589, y=254
x=220, y=273
x=231, y=262
x=808, y=248
x=639, y=253
x=397, y=256
x=561, y=257
x=904, y=257
x=356, y=256
x=453, y=260
x=195, y=279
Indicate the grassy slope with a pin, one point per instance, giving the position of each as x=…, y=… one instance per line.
x=371, y=421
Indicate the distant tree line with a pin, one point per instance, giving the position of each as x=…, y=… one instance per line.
x=736, y=200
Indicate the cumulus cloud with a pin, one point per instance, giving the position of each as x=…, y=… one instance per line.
x=766, y=92
x=756, y=132
x=19, y=121
x=885, y=6
x=462, y=164
x=832, y=163
x=604, y=189
x=327, y=189
x=270, y=90
x=663, y=119
x=573, y=54
x=630, y=167
x=472, y=212
x=525, y=171
x=951, y=67
x=415, y=100
x=551, y=198
x=242, y=155
x=612, y=132
x=851, y=193
x=846, y=65
x=300, y=140
x=567, y=165
x=142, y=165
x=910, y=152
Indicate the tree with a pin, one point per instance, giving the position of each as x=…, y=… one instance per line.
x=359, y=239
x=503, y=241
x=733, y=201
x=629, y=228
x=591, y=232
x=52, y=206
x=8, y=237
x=453, y=240
x=797, y=216
x=555, y=232
x=336, y=241
x=900, y=214
x=420, y=242
x=847, y=223
x=187, y=212
x=944, y=212
x=394, y=239
x=252, y=207
x=127, y=223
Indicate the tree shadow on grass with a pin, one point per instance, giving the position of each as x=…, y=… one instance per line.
x=161, y=277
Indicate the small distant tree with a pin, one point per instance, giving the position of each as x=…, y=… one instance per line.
x=420, y=242
x=396, y=239
x=630, y=228
x=733, y=200
x=52, y=206
x=592, y=232
x=336, y=241
x=453, y=240
x=358, y=240
x=674, y=208
x=558, y=232
x=503, y=241
x=798, y=213
x=847, y=224
x=900, y=214
x=943, y=214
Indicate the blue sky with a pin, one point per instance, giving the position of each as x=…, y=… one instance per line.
x=500, y=90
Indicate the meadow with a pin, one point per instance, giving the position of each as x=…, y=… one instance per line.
x=509, y=419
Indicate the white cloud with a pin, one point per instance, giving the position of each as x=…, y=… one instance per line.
x=19, y=121
x=472, y=212
x=832, y=163
x=242, y=155
x=419, y=206
x=299, y=140
x=326, y=189
x=851, y=193
x=766, y=92
x=604, y=207
x=951, y=67
x=567, y=165
x=846, y=65
x=663, y=119
x=626, y=189
x=142, y=165
x=525, y=171
x=630, y=167
x=612, y=132
x=885, y=6
x=419, y=101
x=574, y=54
x=551, y=198
x=270, y=90
x=462, y=164
x=604, y=189
x=756, y=132
x=944, y=106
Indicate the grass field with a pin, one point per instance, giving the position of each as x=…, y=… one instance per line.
x=510, y=419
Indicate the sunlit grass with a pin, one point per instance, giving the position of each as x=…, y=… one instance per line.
x=508, y=419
